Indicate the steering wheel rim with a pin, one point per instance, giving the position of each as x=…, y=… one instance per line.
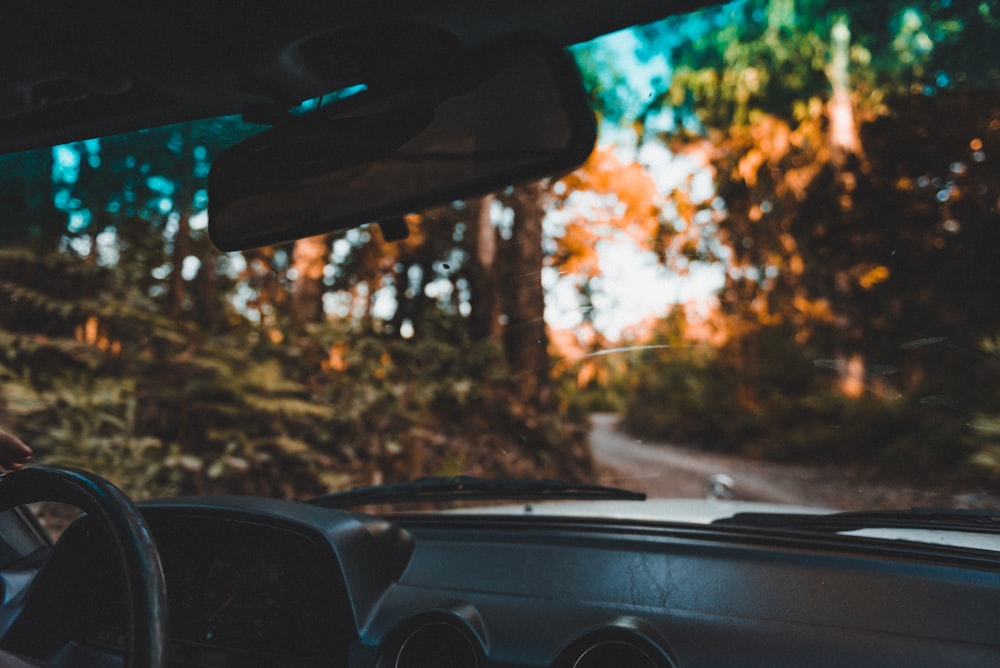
x=147, y=619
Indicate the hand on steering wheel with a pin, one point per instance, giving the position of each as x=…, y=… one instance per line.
x=13, y=452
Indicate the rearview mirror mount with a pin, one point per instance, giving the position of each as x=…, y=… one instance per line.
x=509, y=113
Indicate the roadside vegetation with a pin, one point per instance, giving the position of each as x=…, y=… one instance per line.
x=770, y=142
x=96, y=377
x=854, y=208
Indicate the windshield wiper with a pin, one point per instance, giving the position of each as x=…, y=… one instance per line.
x=968, y=521
x=470, y=488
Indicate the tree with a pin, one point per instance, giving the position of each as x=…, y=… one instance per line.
x=28, y=214
x=525, y=335
x=778, y=97
x=159, y=176
x=310, y=257
x=827, y=124
x=484, y=276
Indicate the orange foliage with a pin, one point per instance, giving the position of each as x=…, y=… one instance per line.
x=636, y=198
x=577, y=250
x=874, y=276
x=310, y=257
x=93, y=333
x=852, y=381
x=336, y=358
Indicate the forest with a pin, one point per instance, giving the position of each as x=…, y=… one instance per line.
x=831, y=162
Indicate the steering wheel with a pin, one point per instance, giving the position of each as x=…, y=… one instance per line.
x=146, y=632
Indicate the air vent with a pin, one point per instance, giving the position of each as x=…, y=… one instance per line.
x=614, y=654
x=438, y=644
x=623, y=645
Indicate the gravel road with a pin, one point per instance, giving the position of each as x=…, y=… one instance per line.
x=664, y=470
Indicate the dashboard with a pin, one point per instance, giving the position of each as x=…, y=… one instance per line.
x=254, y=582
x=262, y=591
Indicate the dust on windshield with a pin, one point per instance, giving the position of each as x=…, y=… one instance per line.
x=773, y=280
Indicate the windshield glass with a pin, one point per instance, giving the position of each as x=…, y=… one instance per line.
x=774, y=280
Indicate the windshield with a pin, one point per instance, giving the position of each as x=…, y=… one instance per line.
x=774, y=280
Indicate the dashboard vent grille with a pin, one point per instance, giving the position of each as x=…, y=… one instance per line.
x=614, y=654
x=438, y=644
x=629, y=643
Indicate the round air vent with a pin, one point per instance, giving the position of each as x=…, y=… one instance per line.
x=614, y=654
x=438, y=644
x=618, y=646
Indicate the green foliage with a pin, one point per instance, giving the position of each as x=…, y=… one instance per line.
x=130, y=346
x=987, y=454
x=985, y=423
x=677, y=398
x=103, y=382
x=595, y=397
x=90, y=426
x=431, y=406
x=693, y=396
x=684, y=392
x=816, y=275
x=209, y=380
x=901, y=436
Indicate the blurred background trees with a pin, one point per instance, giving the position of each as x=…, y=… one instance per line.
x=132, y=347
x=857, y=216
x=828, y=162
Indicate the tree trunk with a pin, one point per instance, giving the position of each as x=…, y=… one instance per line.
x=182, y=246
x=484, y=282
x=525, y=338
x=845, y=148
x=844, y=140
x=309, y=258
x=208, y=310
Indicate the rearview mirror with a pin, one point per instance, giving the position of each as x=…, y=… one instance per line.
x=506, y=114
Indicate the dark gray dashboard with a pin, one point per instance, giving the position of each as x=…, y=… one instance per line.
x=256, y=582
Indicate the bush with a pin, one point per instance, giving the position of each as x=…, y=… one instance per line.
x=161, y=407
x=693, y=396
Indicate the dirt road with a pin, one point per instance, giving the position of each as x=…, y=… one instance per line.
x=664, y=470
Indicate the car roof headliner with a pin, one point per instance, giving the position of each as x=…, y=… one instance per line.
x=70, y=71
